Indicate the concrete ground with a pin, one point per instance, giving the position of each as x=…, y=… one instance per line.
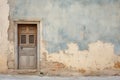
x=33, y=77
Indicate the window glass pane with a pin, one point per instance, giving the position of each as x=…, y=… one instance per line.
x=31, y=38
x=23, y=39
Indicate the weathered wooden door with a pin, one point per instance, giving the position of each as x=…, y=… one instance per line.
x=27, y=44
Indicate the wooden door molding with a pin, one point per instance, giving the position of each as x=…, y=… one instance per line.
x=39, y=40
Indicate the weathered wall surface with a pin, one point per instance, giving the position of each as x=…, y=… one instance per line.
x=81, y=34
x=79, y=21
x=4, y=24
x=91, y=59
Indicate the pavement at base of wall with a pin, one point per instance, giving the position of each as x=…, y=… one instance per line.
x=34, y=77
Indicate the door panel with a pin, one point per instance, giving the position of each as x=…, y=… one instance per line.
x=27, y=39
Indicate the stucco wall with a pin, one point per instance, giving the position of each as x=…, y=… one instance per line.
x=79, y=21
x=4, y=24
x=81, y=34
x=99, y=56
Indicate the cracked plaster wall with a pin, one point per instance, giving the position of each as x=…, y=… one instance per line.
x=78, y=33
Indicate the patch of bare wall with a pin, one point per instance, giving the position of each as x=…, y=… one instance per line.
x=4, y=43
x=99, y=59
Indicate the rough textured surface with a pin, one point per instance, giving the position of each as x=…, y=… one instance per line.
x=78, y=36
x=117, y=65
x=77, y=21
x=91, y=59
x=4, y=24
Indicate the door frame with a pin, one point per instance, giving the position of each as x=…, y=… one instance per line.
x=39, y=38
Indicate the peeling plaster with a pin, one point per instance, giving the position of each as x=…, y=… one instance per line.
x=79, y=21
x=99, y=56
x=79, y=34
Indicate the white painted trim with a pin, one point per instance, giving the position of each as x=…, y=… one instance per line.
x=39, y=40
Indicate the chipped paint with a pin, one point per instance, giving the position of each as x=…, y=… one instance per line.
x=79, y=21
x=80, y=35
x=99, y=56
x=117, y=65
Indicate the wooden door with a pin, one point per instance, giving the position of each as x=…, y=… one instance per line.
x=27, y=46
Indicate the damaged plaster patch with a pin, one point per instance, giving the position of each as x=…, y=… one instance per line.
x=98, y=57
x=11, y=56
